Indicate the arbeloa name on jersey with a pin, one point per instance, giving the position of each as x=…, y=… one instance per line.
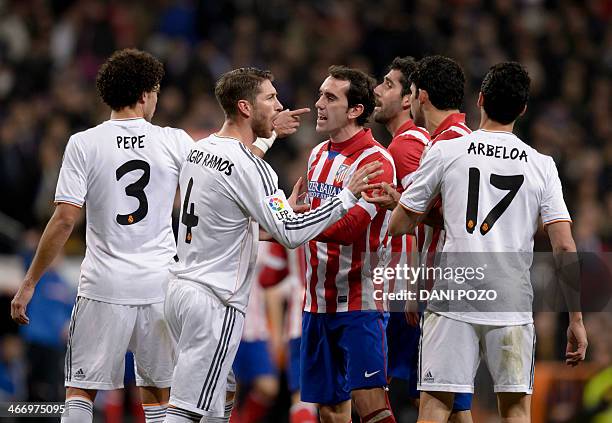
x=497, y=151
x=211, y=161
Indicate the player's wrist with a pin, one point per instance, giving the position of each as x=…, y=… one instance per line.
x=264, y=144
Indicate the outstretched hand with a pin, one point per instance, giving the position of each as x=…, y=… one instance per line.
x=296, y=199
x=387, y=197
x=287, y=122
x=360, y=181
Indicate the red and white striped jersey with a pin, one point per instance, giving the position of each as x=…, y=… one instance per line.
x=429, y=239
x=340, y=261
x=288, y=267
x=406, y=149
x=256, y=326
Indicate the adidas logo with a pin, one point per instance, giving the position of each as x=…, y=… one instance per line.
x=80, y=374
x=428, y=377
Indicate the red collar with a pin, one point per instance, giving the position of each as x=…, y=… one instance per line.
x=447, y=123
x=406, y=126
x=357, y=142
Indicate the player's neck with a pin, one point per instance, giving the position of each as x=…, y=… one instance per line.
x=434, y=117
x=232, y=129
x=398, y=120
x=127, y=113
x=490, y=125
x=345, y=133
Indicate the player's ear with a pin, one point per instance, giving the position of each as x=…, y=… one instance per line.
x=143, y=97
x=423, y=96
x=355, y=111
x=480, y=101
x=245, y=108
x=406, y=102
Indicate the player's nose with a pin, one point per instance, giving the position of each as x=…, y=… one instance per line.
x=278, y=106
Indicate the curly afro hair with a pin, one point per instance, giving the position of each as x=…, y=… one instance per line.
x=126, y=75
x=443, y=80
x=360, y=91
x=505, y=90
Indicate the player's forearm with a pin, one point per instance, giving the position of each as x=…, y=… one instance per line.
x=51, y=243
x=401, y=222
x=348, y=229
x=568, y=271
x=296, y=230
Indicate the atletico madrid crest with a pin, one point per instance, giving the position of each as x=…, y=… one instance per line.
x=341, y=174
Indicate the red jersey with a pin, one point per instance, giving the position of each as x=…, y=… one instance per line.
x=340, y=261
x=431, y=239
x=406, y=149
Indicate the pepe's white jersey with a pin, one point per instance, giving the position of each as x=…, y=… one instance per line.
x=227, y=192
x=126, y=172
x=495, y=189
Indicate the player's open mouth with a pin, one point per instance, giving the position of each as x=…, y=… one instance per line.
x=321, y=117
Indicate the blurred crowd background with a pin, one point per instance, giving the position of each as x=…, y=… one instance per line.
x=50, y=52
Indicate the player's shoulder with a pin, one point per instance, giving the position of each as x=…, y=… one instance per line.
x=375, y=151
x=169, y=133
x=317, y=148
x=415, y=133
x=456, y=130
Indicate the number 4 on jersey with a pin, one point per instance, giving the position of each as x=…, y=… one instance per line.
x=506, y=183
x=189, y=219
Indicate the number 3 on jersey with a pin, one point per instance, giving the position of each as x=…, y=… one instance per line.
x=136, y=190
x=506, y=183
x=189, y=219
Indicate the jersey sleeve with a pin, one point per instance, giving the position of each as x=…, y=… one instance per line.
x=275, y=266
x=269, y=206
x=72, y=183
x=348, y=229
x=406, y=153
x=553, y=208
x=425, y=182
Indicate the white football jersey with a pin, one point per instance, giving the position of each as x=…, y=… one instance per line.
x=126, y=172
x=227, y=192
x=494, y=189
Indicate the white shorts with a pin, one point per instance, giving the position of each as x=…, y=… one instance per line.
x=208, y=334
x=450, y=352
x=100, y=335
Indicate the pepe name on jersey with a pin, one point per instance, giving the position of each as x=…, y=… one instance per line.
x=497, y=151
x=211, y=161
x=130, y=142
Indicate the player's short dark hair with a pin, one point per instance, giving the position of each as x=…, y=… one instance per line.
x=505, y=91
x=360, y=91
x=126, y=75
x=239, y=84
x=443, y=79
x=406, y=66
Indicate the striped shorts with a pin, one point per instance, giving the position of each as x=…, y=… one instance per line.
x=208, y=334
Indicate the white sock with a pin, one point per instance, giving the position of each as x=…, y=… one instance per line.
x=154, y=413
x=178, y=415
x=78, y=410
x=229, y=405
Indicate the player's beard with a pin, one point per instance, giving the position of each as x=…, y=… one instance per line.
x=261, y=125
x=382, y=117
